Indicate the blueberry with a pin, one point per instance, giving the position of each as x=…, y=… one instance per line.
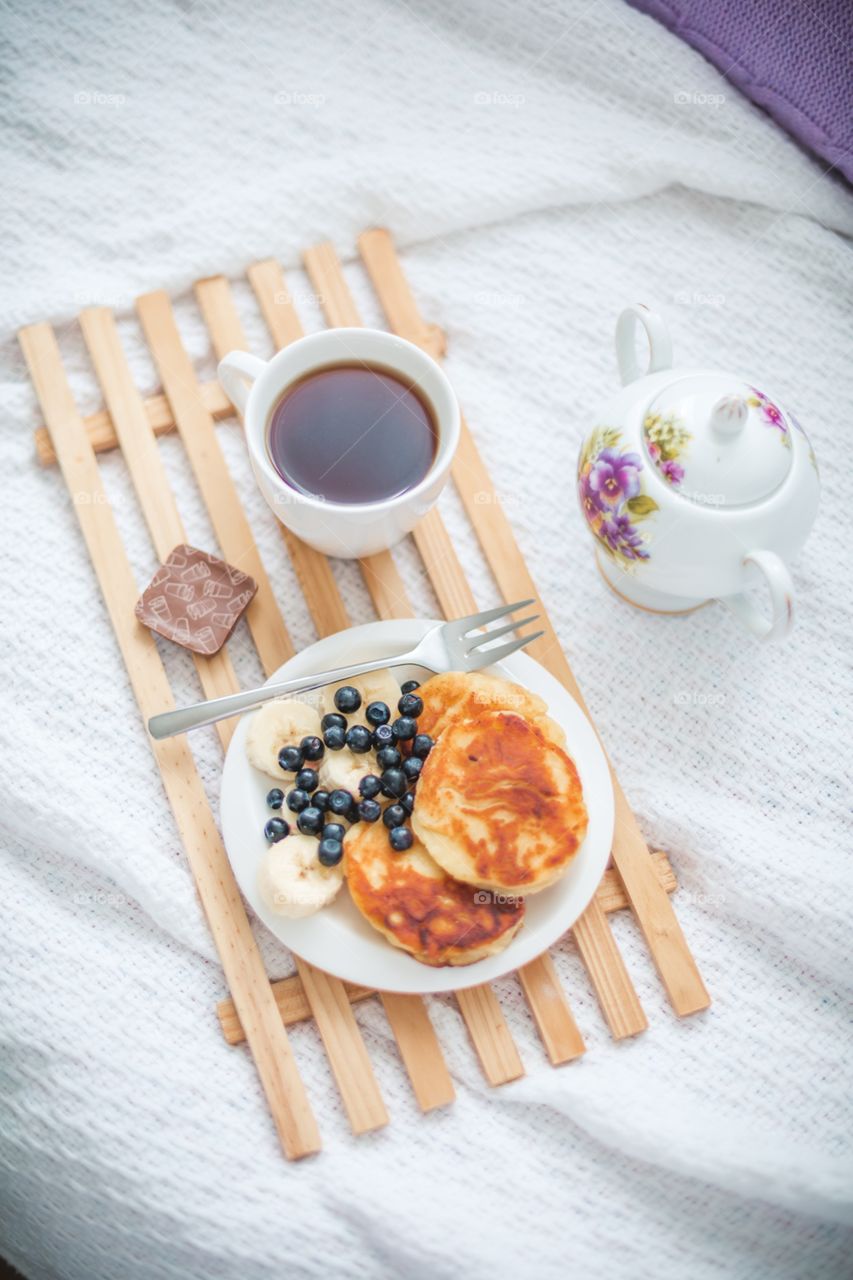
x=348, y=699
x=369, y=810
x=409, y=686
x=307, y=780
x=335, y=737
x=405, y=728
x=276, y=829
x=394, y=783
x=412, y=768
x=320, y=800
x=352, y=814
x=275, y=798
x=358, y=739
x=334, y=831
x=370, y=787
x=388, y=758
x=330, y=852
x=407, y=802
x=340, y=802
x=312, y=747
x=377, y=713
x=401, y=839
x=410, y=705
x=297, y=800
x=422, y=745
x=394, y=816
x=291, y=759
x=310, y=821
x=383, y=736
x=333, y=719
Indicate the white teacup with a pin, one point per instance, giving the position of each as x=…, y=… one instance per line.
x=348, y=530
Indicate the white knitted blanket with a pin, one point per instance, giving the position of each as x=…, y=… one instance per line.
x=540, y=166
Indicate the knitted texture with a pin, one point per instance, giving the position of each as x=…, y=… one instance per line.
x=792, y=59
x=539, y=172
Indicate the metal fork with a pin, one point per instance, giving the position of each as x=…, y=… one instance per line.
x=449, y=646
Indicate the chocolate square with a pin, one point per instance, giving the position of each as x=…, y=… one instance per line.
x=195, y=599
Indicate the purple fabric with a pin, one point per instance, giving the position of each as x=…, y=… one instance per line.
x=791, y=57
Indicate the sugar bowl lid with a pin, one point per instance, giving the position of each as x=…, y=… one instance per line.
x=717, y=441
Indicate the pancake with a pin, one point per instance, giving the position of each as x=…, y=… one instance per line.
x=417, y=907
x=457, y=695
x=499, y=804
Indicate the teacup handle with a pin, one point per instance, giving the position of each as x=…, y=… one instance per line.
x=660, y=344
x=233, y=371
x=781, y=589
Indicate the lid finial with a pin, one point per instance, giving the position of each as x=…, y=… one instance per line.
x=729, y=415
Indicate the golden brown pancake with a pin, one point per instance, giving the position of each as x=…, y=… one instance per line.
x=409, y=899
x=499, y=804
x=457, y=695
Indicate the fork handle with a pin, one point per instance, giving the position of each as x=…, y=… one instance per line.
x=170, y=723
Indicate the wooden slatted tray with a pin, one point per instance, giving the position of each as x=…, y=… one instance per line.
x=258, y=1010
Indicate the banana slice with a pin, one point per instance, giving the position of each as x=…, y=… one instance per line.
x=376, y=686
x=346, y=769
x=279, y=724
x=292, y=880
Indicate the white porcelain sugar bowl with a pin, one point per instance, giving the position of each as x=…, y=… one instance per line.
x=696, y=485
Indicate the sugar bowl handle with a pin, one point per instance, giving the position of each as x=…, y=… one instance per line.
x=234, y=371
x=775, y=573
x=660, y=345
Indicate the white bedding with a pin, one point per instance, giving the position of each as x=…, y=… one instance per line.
x=539, y=169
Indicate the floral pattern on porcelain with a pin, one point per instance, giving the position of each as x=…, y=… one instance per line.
x=771, y=414
x=666, y=439
x=611, y=494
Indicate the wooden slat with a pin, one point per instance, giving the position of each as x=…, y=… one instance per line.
x=455, y=598
x=651, y=906
x=407, y=1015
x=490, y=1035
x=615, y=990
x=611, y=895
x=340, y=1033
x=197, y=432
x=101, y=432
x=148, y=474
x=274, y=299
x=239, y=955
x=559, y=1031
x=292, y=1001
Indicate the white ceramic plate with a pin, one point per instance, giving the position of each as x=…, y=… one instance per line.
x=338, y=939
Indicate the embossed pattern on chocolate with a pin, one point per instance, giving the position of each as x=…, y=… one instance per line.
x=195, y=599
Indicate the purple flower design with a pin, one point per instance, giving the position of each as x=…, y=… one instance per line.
x=590, y=500
x=673, y=471
x=620, y=535
x=615, y=477
x=771, y=413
